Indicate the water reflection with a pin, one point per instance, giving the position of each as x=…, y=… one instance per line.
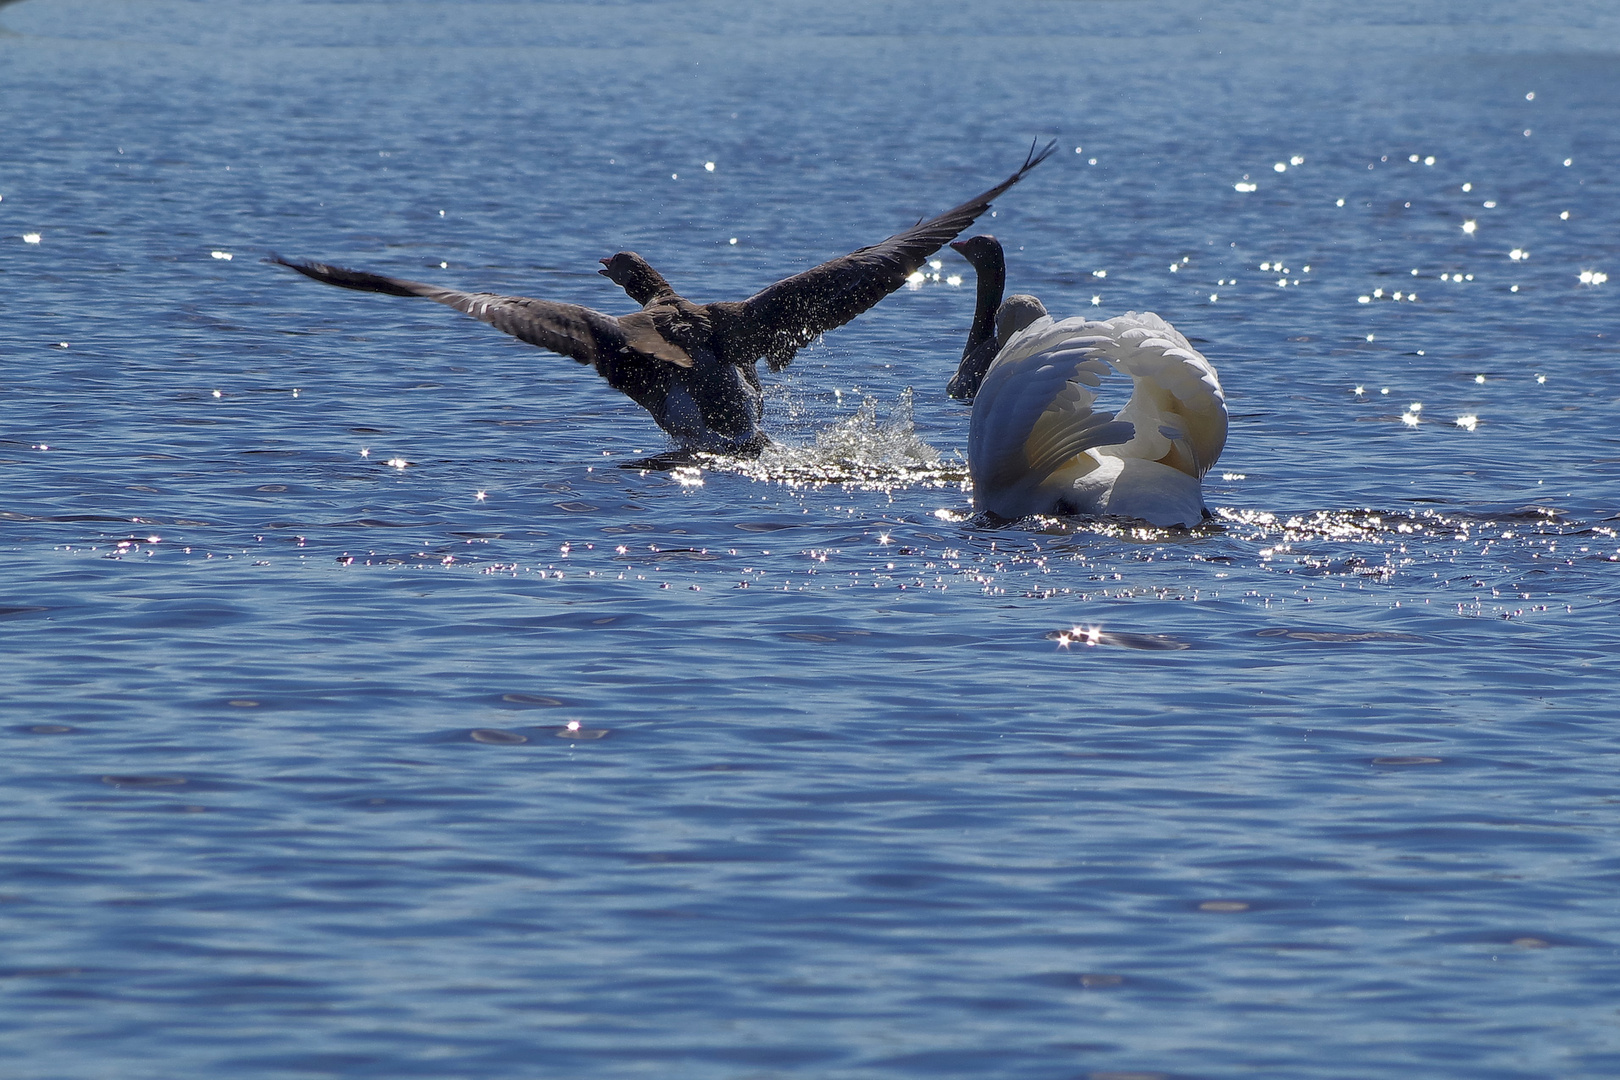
x=496, y=736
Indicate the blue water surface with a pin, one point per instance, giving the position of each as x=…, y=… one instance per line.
x=373, y=707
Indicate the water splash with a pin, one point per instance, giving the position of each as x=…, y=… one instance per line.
x=864, y=451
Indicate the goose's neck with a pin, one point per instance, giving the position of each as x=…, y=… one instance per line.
x=992, y=275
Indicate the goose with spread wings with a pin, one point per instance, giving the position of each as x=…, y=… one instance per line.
x=692, y=366
x=1036, y=445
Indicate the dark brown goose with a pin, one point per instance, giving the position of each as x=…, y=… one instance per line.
x=692, y=365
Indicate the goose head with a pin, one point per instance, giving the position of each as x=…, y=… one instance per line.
x=635, y=276
x=983, y=253
x=994, y=321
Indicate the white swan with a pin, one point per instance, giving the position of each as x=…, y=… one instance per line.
x=1036, y=445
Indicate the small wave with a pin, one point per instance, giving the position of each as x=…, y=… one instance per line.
x=1395, y=525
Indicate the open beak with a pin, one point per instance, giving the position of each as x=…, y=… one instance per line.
x=604, y=269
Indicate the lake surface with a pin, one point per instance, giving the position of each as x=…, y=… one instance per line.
x=370, y=712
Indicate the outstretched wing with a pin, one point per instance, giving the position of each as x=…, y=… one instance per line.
x=580, y=333
x=778, y=321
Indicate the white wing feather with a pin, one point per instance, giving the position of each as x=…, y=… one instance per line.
x=1036, y=445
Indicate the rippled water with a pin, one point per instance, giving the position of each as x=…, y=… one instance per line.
x=381, y=699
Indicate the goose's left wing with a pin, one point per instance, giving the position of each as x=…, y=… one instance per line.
x=579, y=333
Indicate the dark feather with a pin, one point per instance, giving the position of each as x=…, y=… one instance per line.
x=782, y=318
x=692, y=365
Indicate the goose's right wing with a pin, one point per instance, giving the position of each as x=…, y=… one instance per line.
x=579, y=333
x=782, y=318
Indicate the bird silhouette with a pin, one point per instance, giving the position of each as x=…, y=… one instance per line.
x=692, y=366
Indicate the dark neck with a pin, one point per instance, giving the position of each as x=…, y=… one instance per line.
x=648, y=286
x=992, y=275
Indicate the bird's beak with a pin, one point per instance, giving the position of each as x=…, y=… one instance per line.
x=958, y=245
x=604, y=269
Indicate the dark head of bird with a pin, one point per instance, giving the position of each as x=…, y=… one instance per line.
x=994, y=321
x=983, y=252
x=635, y=276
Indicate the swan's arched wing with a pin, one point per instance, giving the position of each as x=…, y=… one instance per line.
x=778, y=321
x=1033, y=415
x=587, y=336
x=1034, y=421
x=1177, y=405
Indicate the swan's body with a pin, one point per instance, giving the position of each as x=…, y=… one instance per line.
x=1037, y=446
